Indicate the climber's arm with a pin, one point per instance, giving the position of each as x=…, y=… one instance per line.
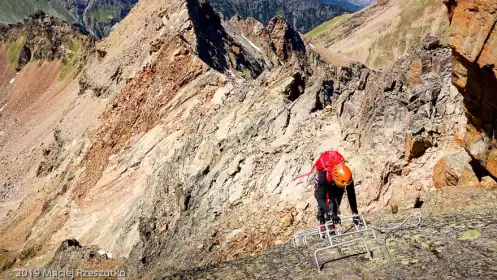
x=320, y=190
x=352, y=198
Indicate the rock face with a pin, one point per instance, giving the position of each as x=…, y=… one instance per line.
x=473, y=39
x=302, y=15
x=277, y=42
x=177, y=144
x=286, y=41
x=406, y=117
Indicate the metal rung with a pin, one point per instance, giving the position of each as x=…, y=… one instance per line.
x=350, y=234
x=303, y=235
x=331, y=234
x=341, y=244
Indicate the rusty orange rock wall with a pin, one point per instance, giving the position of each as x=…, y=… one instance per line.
x=471, y=26
x=473, y=38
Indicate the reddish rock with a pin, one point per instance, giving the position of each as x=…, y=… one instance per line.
x=415, y=146
x=473, y=38
x=471, y=25
x=449, y=169
x=414, y=75
x=492, y=162
x=488, y=55
x=286, y=41
x=156, y=45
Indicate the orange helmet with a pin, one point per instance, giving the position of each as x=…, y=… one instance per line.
x=342, y=176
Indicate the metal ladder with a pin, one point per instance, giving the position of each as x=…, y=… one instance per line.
x=334, y=235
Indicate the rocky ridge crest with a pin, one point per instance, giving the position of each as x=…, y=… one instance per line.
x=302, y=15
x=44, y=37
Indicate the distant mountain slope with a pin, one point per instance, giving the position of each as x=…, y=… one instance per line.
x=353, y=5
x=98, y=16
x=303, y=15
x=381, y=33
x=12, y=11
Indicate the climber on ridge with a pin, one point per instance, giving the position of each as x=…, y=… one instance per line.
x=332, y=178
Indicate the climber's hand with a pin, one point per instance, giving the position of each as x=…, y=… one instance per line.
x=334, y=218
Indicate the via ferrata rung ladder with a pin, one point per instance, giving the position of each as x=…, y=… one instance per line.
x=336, y=237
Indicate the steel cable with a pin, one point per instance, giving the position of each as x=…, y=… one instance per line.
x=391, y=230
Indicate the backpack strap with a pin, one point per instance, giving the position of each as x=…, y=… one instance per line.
x=305, y=175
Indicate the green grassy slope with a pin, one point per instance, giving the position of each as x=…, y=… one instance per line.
x=328, y=25
x=12, y=11
x=70, y=64
x=14, y=50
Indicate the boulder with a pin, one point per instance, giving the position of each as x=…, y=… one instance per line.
x=431, y=42
x=287, y=221
x=492, y=162
x=415, y=146
x=450, y=168
x=477, y=144
x=488, y=182
x=468, y=178
x=221, y=94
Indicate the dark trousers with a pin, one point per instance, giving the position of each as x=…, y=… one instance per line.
x=335, y=195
